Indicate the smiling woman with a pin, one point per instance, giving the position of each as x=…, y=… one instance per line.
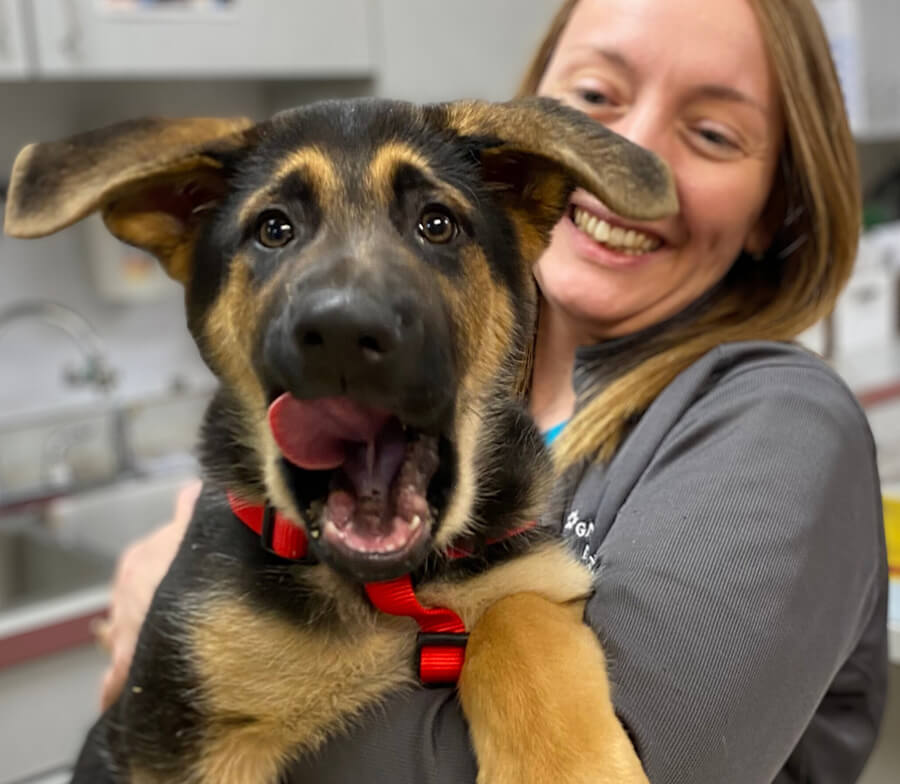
x=719, y=480
x=616, y=61
x=728, y=95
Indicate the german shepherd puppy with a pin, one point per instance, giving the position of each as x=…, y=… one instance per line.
x=358, y=275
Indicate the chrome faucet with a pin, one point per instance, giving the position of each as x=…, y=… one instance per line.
x=96, y=372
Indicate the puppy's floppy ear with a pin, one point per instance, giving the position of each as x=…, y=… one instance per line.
x=149, y=177
x=539, y=150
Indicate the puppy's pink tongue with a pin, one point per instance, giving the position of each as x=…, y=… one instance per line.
x=315, y=434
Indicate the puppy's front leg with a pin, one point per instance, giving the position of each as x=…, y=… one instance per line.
x=536, y=695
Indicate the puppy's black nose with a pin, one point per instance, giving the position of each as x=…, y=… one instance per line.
x=348, y=340
x=344, y=325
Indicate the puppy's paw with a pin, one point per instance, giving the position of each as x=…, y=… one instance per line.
x=536, y=695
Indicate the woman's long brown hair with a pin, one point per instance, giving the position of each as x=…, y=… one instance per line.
x=815, y=201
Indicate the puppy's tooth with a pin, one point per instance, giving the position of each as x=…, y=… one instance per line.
x=416, y=522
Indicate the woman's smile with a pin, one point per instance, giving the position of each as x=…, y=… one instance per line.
x=609, y=245
x=599, y=236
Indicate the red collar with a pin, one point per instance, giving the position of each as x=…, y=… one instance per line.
x=441, y=643
x=277, y=533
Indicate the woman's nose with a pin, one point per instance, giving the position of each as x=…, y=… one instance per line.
x=644, y=125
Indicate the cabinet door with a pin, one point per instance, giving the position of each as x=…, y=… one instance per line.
x=12, y=40
x=435, y=50
x=203, y=38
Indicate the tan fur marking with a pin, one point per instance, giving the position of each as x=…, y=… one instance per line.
x=384, y=164
x=242, y=756
x=310, y=162
x=315, y=164
x=162, y=235
x=550, y=571
x=531, y=243
x=527, y=651
x=229, y=325
x=231, y=322
x=457, y=516
x=180, y=263
x=311, y=685
x=485, y=308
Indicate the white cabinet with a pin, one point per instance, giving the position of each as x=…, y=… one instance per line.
x=13, y=63
x=863, y=38
x=77, y=39
x=438, y=51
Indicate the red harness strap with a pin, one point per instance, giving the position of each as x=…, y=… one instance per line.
x=441, y=644
x=278, y=534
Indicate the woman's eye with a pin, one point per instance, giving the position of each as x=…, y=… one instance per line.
x=437, y=225
x=716, y=138
x=274, y=229
x=594, y=97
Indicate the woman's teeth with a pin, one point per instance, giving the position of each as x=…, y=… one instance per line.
x=626, y=241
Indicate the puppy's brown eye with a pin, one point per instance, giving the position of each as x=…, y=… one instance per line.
x=274, y=230
x=437, y=225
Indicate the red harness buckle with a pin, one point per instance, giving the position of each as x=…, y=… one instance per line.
x=441, y=643
x=441, y=656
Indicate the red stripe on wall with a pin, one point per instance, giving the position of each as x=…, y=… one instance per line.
x=35, y=643
x=877, y=395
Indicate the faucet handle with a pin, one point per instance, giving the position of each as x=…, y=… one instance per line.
x=95, y=372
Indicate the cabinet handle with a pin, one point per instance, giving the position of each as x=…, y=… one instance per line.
x=70, y=43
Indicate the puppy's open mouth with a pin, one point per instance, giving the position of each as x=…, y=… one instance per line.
x=362, y=479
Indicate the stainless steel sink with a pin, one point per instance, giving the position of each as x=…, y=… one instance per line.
x=108, y=519
x=36, y=566
x=73, y=542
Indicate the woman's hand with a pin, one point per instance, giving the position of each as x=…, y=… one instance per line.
x=139, y=571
